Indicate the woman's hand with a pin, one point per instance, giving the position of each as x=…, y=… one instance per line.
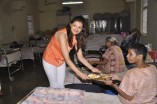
x=95, y=70
x=91, y=62
x=84, y=76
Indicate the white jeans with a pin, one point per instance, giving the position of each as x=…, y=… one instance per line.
x=56, y=75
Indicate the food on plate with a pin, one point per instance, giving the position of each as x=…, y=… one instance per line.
x=106, y=77
x=100, y=77
x=93, y=76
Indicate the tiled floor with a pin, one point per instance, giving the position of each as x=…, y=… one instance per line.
x=24, y=82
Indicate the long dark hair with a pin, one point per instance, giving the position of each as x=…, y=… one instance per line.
x=80, y=37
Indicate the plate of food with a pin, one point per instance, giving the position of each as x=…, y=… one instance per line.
x=106, y=77
x=94, y=76
x=100, y=76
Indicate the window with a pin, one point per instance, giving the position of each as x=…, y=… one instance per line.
x=144, y=16
x=30, y=24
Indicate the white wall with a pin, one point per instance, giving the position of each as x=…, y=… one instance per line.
x=135, y=10
x=14, y=25
x=152, y=24
x=48, y=18
x=13, y=21
x=6, y=21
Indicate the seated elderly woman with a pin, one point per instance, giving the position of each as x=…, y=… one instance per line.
x=112, y=60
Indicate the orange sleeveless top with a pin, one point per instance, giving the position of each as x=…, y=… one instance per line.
x=53, y=54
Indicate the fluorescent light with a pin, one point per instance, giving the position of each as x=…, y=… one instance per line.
x=72, y=2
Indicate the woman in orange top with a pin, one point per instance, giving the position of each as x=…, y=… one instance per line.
x=57, y=52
